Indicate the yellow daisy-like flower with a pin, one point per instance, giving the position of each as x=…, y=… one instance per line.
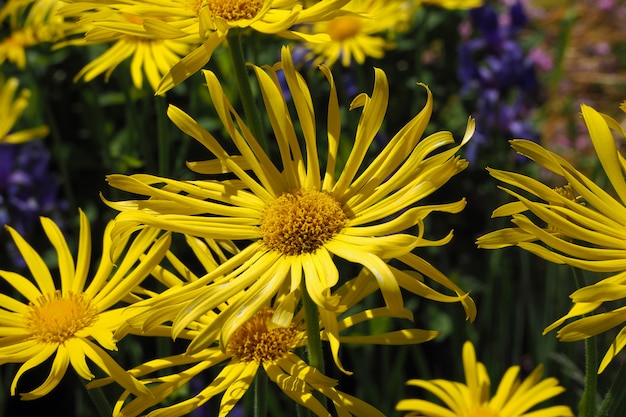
x=13, y=48
x=65, y=321
x=297, y=216
x=579, y=224
x=366, y=33
x=32, y=22
x=256, y=344
x=158, y=32
x=216, y=18
x=122, y=25
x=513, y=398
x=12, y=105
x=369, y=30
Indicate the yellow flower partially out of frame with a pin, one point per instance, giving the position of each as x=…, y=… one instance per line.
x=513, y=398
x=64, y=321
x=299, y=216
x=360, y=35
x=369, y=30
x=216, y=18
x=257, y=346
x=204, y=25
x=579, y=224
x=122, y=27
x=12, y=106
x=32, y=22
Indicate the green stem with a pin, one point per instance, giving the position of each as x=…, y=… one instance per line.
x=245, y=91
x=314, y=340
x=260, y=394
x=614, y=399
x=587, y=405
x=99, y=400
x=162, y=137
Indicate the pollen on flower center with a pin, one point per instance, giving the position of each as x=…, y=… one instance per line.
x=232, y=10
x=342, y=28
x=254, y=341
x=569, y=193
x=301, y=221
x=54, y=318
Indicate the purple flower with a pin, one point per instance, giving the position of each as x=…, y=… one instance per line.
x=498, y=76
x=28, y=189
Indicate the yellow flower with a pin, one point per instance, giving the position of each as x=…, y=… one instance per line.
x=122, y=25
x=297, y=215
x=513, y=398
x=214, y=19
x=13, y=48
x=365, y=33
x=579, y=224
x=256, y=344
x=32, y=22
x=64, y=322
x=11, y=108
x=158, y=32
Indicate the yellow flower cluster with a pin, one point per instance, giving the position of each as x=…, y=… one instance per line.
x=276, y=216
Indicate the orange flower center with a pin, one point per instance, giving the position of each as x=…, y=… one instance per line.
x=133, y=18
x=301, y=221
x=54, y=318
x=232, y=10
x=254, y=341
x=342, y=28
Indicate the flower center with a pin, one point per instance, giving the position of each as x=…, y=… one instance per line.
x=253, y=341
x=301, y=221
x=342, y=28
x=133, y=18
x=568, y=192
x=54, y=319
x=232, y=10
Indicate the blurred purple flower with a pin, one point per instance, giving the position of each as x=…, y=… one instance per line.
x=499, y=76
x=28, y=189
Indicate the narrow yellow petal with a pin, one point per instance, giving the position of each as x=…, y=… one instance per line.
x=36, y=265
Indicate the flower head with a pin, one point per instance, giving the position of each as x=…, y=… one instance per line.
x=32, y=22
x=579, y=223
x=473, y=398
x=257, y=346
x=365, y=33
x=193, y=29
x=366, y=29
x=215, y=19
x=64, y=321
x=122, y=26
x=298, y=216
